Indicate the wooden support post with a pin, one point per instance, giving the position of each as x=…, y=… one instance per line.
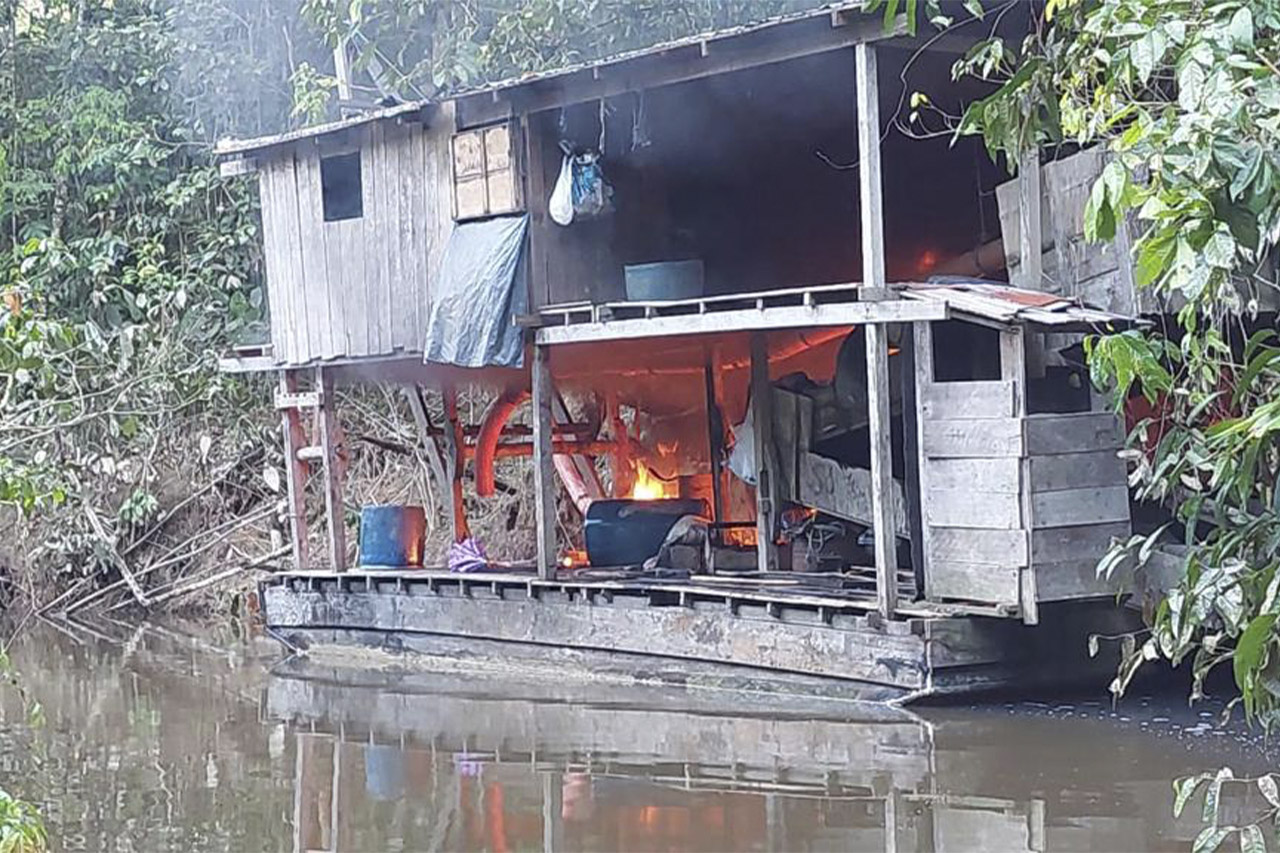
x=1030, y=231
x=454, y=462
x=1031, y=247
x=870, y=198
x=1013, y=368
x=911, y=454
x=295, y=472
x=922, y=333
x=544, y=473
x=878, y=424
x=767, y=502
x=715, y=439
x=331, y=451
x=871, y=207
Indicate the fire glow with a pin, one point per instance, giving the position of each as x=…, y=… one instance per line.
x=647, y=487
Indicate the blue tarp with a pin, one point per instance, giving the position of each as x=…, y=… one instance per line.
x=479, y=292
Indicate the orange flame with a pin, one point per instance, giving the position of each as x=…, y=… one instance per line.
x=647, y=487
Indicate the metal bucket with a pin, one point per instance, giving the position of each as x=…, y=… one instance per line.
x=665, y=280
x=391, y=536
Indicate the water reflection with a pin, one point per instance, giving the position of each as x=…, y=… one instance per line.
x=159, y=739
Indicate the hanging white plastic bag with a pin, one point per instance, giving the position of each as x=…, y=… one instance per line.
x=561, y=205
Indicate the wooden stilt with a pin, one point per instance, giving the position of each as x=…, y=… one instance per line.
x=873, y=276
x=295, y=471
x=767, y=501
x=544, y=482
x=331, y=451
x=1013, y=368
x=454, y=462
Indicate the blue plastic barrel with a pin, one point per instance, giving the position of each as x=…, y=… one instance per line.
x=391, y=536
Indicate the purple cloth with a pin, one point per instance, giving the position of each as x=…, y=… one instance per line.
x=468, y=556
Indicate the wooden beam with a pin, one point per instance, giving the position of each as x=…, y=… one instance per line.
x=871, y=209
x=767, y=507
x=745, y=320
x=544, y=474
x=331, y=447
x=295, y=472
x=237, y=167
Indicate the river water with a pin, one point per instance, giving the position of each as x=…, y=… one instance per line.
x=161, y=738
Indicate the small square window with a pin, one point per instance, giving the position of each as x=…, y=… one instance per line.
x=341, y=188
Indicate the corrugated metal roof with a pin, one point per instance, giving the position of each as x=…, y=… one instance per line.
x=1005, y=304
x=240, y=146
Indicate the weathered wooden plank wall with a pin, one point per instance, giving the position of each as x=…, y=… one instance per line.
x=356, y=287
x=1018, y=508
x=971, y=449
x=1079, y=501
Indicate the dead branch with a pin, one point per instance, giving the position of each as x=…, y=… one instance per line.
x=114, y=555
x=112, y=587
x=210, y=580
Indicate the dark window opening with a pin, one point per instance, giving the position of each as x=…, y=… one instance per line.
x=340, y=187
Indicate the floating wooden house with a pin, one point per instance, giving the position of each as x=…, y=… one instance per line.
x=902, y=476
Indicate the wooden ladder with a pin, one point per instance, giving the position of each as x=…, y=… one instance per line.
x=301, y=454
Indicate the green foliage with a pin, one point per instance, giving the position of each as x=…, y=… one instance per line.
x=126, y=263
x=419, y=48
x=21, y=829
x=1186, y=97
x=1251, y=837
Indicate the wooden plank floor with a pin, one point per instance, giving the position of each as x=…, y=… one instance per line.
x=856, y=591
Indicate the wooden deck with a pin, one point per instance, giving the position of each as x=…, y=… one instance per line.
x=705, y=633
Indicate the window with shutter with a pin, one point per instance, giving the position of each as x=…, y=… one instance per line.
x=484, y=173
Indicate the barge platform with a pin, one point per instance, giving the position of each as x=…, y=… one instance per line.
x=697, y=634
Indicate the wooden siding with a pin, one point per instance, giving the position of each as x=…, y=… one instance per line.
x=1079, y=502
x=356, y=287
x=1017, y=508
